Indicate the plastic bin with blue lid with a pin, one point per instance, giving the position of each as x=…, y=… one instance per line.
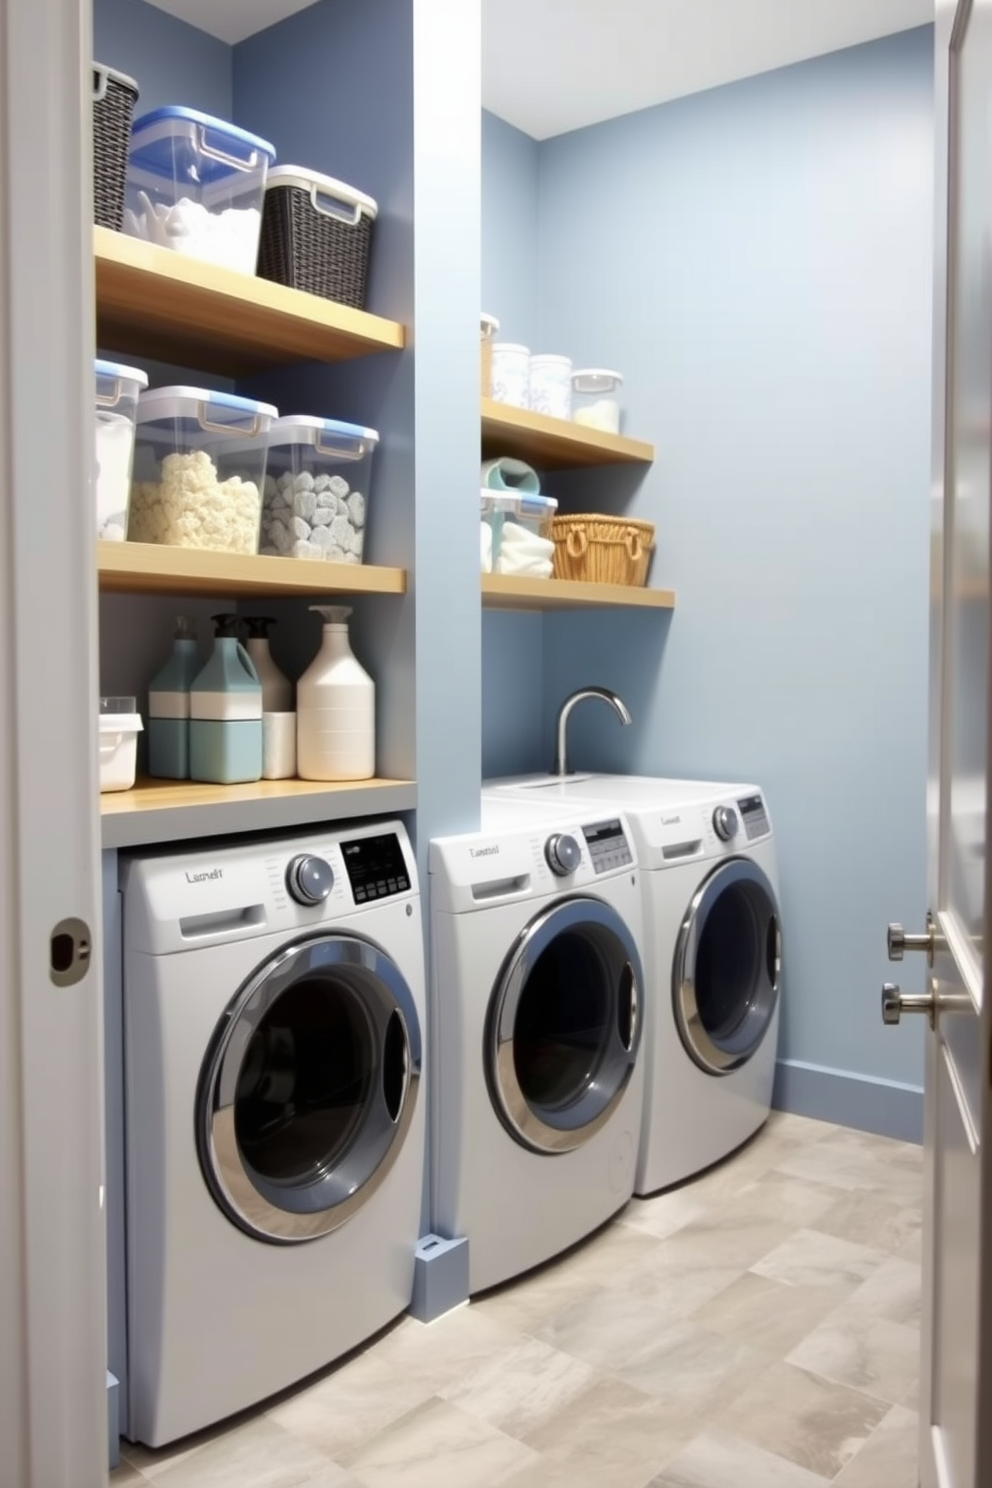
x=199, y=469
x=116, y=390
x=317, y=489
x=197, y=184
x=514, y=533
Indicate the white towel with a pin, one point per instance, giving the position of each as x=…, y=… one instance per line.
x=486, y=547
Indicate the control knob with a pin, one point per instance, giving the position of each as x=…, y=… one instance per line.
x=725, y=823
x=309, y=879
x=563, y=854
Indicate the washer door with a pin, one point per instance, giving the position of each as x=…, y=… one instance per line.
x=564, y=1026
x=308, y=1088
x=727, y=963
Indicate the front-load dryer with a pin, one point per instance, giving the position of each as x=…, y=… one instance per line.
x=274, y=1008
x=537, y=1010
x=712, y=957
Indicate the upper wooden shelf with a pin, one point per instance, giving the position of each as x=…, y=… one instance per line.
x=176, y=810
x=148, y=568
x=554, y=444
x=507, y=592
x=152, y=302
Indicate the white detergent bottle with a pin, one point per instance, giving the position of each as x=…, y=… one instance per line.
x=277, y=690
x=335, y=708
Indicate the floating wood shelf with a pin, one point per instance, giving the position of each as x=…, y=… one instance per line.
x=554, y=444
x=505, y=592
x=153, y=302
x=148, y=568
x=174, y=810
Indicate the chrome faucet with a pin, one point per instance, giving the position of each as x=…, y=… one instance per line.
x=618, y=705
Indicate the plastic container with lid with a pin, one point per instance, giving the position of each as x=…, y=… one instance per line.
x=551, y=385
x=199, y=469
x=317, y=489
x=511, y=374
x=514, y=536
x=196, y=184
x=120, y=725
x=596, y=399
x=316, y=234
x=116, y=393
x=488, y=326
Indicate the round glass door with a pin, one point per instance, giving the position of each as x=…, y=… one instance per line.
x=727, y=967
x=564, y=1026
x=308, y=1088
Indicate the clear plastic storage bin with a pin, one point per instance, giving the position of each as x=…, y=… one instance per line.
x=596, y=399
x=116, y=390
x=199, y=469
x=317, y=489
x=120, y=725
x=515, y=533
x=197, y=184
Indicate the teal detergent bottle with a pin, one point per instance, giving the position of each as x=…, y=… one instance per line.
x=225, y=703
x=168, y=705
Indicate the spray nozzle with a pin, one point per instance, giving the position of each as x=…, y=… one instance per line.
x=258, y=626
x=228, y=625
x=333, y=614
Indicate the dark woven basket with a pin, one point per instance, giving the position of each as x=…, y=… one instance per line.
x=305, y=249
x=114, y=97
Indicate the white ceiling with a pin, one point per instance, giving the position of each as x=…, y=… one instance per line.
x=553, y=65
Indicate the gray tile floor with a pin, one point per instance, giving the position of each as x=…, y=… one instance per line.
x=758, y=1328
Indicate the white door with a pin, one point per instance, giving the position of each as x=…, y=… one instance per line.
x=53, y=1431
x=956, y=1423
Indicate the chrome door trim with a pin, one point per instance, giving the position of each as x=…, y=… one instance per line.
x=697, y=1042
x=589, y=1113
x=246, y=1197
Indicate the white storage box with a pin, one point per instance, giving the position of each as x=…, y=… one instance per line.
x=197, y=184
x=120, y=725
x=596, y=399
x=551, y=386
x=199, y=467
x=514, y=536
x=511, y=373
x=317, y=489
x=117, y=390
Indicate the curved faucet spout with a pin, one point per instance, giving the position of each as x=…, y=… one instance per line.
x=605, y=695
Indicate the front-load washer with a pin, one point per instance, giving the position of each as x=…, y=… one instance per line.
x=712, y=956
x=274, y=1008
x=536, y=1017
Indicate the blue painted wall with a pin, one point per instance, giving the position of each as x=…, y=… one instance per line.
x=757, y=261
x=170, y=61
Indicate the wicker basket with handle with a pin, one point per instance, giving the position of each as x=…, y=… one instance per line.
x=602, y=550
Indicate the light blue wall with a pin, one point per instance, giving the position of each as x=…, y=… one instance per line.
x=170, y=61
x=757, y=261
x=512, y=644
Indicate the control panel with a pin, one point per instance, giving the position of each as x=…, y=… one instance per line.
x=375, y=867
x=607, y=845
x=752, y=810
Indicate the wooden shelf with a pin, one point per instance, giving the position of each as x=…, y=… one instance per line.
x=554, y=444
x=148, y=568
x=174, y=810
x=152, y=302
x=505, y=592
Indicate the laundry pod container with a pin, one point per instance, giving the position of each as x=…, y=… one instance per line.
x=316, y=235
x=196, y=184
x=511, y=373
x=120, y=725
x=335, y=708
x=116, y=400
x=550, y=386
x=316, y=489
x=596, y=399
x=225, y=712
x=199, y=469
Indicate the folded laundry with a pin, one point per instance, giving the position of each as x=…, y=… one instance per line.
x=507, y=474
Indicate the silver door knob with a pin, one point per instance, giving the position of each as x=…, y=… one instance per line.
x=895, y=1003
x=898, y=942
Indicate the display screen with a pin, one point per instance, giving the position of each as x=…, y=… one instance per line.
x=750, y=805
x=603, y=831
x=376, y=867
x=607, y=845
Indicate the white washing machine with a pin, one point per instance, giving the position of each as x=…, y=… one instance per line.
x=536, y=1018
x=274, y=1009
x=712, y=956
